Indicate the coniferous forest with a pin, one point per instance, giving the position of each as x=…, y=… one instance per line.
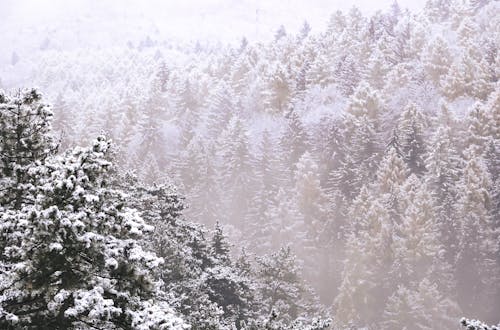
x=343, y=178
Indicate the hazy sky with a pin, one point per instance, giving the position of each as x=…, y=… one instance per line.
x=186, y=19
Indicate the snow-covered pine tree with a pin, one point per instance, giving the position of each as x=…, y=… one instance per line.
x=25, y=126
x=437, y=60
x=294, y=141
x=226, y=286
x=236, y=172
x=411, y=132
x=259, y=218
x=63, y=122
x=477, y=325
x=367, y=258
x=418, y=252
x=443, y=170
x=281, y=289
x=278, y=90
x=476, y=266
x=81, y=264
x=184, y=247
x=359, y=147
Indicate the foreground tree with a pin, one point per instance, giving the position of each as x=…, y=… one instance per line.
x=476, y=325
x=70, y=256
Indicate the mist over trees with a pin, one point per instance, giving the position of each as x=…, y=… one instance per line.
x=346, y=178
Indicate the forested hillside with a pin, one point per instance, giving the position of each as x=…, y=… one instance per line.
x=350, y=173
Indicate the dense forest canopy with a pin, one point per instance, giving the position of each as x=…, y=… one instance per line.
x=346, y=178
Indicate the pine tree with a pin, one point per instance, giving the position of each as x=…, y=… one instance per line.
x=25, y=127
x=81, y=263
x=411, y=128
x=260, y=224
x=312, y=204
x=360, y=155
x=367, y=258
x=377, y=70
x=184, y=247
x=236, y=172
x=475, y=265
x=294, y=141
x=221, y=106
x=437, y=60
x=227, y=288
x=476, y=325
x=278, y=91
x=443, y=165
x=63, y=122
x=281, y=288
x=418, y=252
x=420, y=308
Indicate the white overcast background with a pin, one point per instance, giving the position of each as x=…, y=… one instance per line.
x=185, y=19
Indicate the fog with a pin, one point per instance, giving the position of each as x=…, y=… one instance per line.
x=361, y=134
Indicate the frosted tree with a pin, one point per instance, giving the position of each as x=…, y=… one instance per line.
x=221, y=106
x=360, y=155
x=327, y=141
x=281, y=288
x=286, y=219
x=420, y=308
x=236, y=171
x=294, y=141
x=319, y=72
x=278, y=90
x=190, y=165
x=443, y=165
x=25, y=126
x=205, y=195
x=63, y=122
x=481, y=128
x=361, y=141
x=418, y=252
x=184, y=247
x=438, y=10
x=313, y=207
x=437, y=60
x=81, y=264
x=347, y=74
x=411, y=129
x=226, y=287
x=367, y=257
x=310, y=197
x=260, y=222
x=304, y=30
x=377, y=69
x=150, y=131
x=336, y=23
x=280, y=33
x=468, y=76
x=475, y=265
x=476, y=325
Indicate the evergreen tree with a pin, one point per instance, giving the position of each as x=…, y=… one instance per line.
x=476, y=268
x=294, y=141
x=25, y=128
x=236, y=172
x=281, y=288
x=367, y=257
x=437, y=60
x=63, y=122
x=411, y=132
x=81, y=264
x=260, y=222
x=443, y=164
x=186, y=253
